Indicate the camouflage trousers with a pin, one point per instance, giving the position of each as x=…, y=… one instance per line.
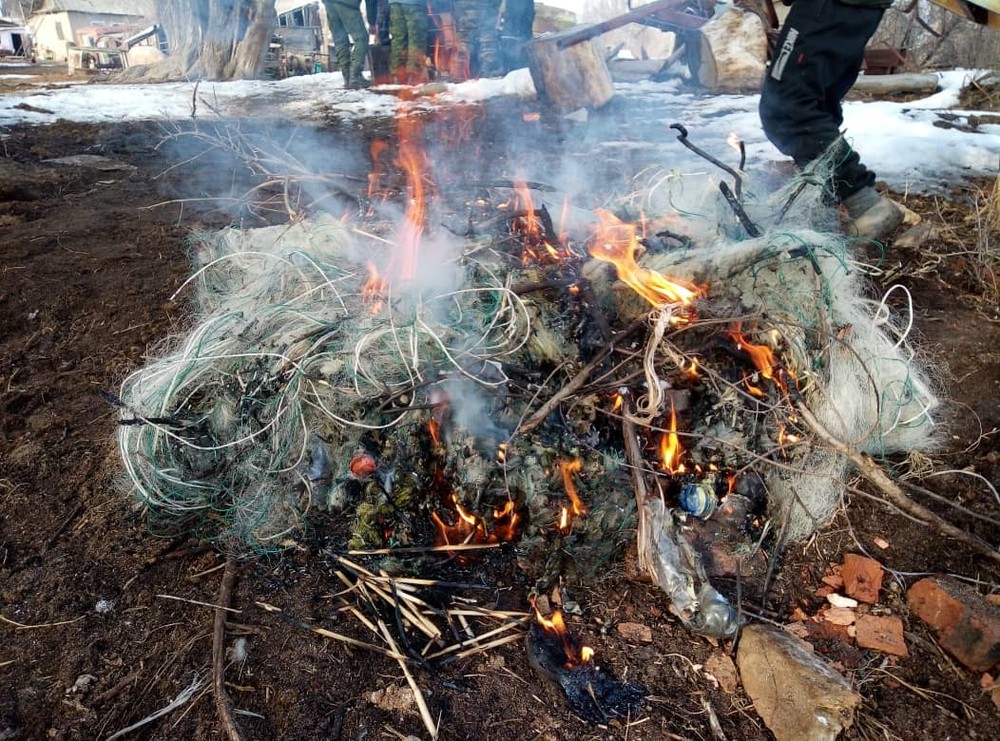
x=408, y=28
x=476, y=26
x=346, y=24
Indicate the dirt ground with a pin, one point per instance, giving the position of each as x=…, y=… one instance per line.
x=89, y=260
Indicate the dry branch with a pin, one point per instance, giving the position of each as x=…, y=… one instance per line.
x=222, y=704
x=874, y=474
x=576, y=383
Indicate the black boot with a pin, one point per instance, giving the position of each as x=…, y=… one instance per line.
x=357, y=80
x=345, y=70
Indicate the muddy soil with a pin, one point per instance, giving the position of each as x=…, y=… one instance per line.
x=90, y=645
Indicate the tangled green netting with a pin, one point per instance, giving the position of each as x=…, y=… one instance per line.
x=286, y=346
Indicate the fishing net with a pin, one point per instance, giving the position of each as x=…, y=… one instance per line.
x=307, y=381
x=231, y=432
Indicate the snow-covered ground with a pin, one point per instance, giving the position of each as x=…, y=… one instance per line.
x=903, y=142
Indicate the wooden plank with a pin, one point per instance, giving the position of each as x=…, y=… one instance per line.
x=573, y=36
x=984, y=12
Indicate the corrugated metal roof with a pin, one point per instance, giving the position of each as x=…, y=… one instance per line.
x=103, y=7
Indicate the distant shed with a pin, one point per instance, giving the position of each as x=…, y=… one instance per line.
x=56, y=24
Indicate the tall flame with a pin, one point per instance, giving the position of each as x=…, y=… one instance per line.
x=378, y=146
x=616, y=242
x=413, y=160
x=373, y=291
x=568, y=468
x=670, y=446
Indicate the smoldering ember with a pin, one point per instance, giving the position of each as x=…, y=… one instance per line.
x=549, y=406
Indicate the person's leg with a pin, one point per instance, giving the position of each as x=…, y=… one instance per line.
x=819, y=54
x=466, y=14
x=397, y=49
x=341, y=42
x=489, y=38
x=518, y=20
x=350, y=18
x=416, y=49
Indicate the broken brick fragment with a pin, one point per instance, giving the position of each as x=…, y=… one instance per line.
x=967, y=625
x=862, y=578
x=635, y=632
x=880, y=633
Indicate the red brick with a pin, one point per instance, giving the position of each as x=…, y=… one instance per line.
x=862, y=578
x=883, y=634
x=967, y=625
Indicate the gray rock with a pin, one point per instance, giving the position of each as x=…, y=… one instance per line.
x=796, y=693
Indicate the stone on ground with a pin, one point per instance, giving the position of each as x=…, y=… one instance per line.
x=795, y=692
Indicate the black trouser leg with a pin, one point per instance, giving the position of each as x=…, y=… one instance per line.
x=819, y=55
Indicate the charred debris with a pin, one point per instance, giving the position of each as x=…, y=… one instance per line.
x=448, y=386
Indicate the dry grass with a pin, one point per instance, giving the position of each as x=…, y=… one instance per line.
x=991, y=210
x=987, y=254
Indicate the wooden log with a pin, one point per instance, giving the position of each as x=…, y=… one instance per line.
x=571, y=78
x=904, y=82
x=568, y=69
x=731, y=54
x=635, y=70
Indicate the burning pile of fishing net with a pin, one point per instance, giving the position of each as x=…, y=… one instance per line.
x=556, y=387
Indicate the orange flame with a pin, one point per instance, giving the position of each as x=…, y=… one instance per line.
x=413, y=160
x=564, y=220
x=375, y=176
x=616, y=242
x=670, y=446
x=754, y=390
x=784, y=436
x=564, y=520
x=505, y=522
x=556, y=626
x=617, y=401
x=469, y=528
x=362, y=464
x=568, y=468
x=692, y=370
x=373, y=291
x=761, y=356
x=528, y=226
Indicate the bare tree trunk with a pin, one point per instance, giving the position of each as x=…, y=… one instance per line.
x=248, y=56
x=211, y=39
